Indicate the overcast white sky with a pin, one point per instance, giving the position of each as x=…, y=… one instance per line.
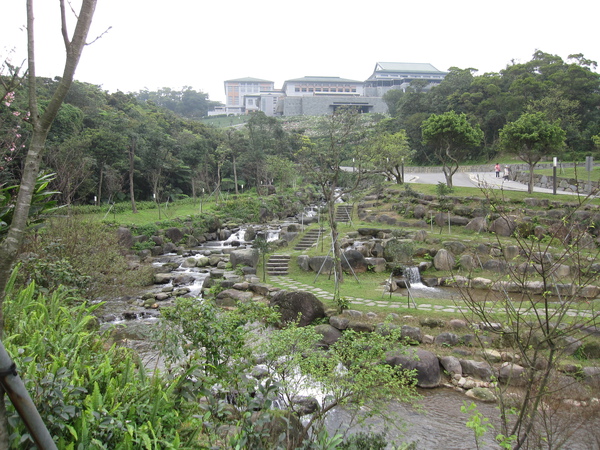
x=176, y=43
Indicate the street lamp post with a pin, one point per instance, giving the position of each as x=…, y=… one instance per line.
x=554, y=162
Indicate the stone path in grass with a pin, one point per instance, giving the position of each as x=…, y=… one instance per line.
x=396, y=301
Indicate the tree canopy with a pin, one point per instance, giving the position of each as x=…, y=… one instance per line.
x=531, y=137
x=451, y=138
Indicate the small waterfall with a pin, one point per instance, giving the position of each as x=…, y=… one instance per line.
x=413, y=276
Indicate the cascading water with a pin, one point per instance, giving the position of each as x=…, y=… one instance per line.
x=413, y=276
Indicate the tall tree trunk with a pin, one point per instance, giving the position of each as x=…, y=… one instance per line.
x=41, y=125
x=448, y=174
x=131, y=169
x=530, y=186
x=100, y=181
x=258, y=185
x=337, y=251
x=235, y=174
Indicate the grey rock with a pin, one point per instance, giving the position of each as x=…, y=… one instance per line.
x=446, y=338
x=244, y=257
x=339, y=322
x=451, y=364
x=294, y=305
x=481, y=393
x=303, y=262
x=512, y=375
x=444, y=260
x=174, y=234
x=477, y=369
x=426, y=364
x=329, y=333
x=353, y=260
x=412, y=333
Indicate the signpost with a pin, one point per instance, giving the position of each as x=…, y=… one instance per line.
x=554, y=161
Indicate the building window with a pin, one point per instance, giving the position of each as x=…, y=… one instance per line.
x=297, y=89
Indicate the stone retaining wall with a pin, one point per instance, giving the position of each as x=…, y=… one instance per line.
x=487, y=167
x=562, y=184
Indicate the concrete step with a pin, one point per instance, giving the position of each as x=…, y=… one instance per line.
x=278, y=265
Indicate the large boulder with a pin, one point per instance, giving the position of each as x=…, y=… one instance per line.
x=477, y=369
x=481, y=393
x=412, y=333
x=125, y=237
x=330, y=334
x=451, y=364
x=353, y=260
x=298, y=305
x=244, y=257
x=321, y=264
x=426, y=364
x=503, y=226
x=420, y=211
x=373, y=232
x=478, y=224
x=376, y=264
x=443, y=260
x=249, y=234
x=174, y=234
x=230, y=297
x=303, y=262
x=455, y=247
x=441, y=220
x=512, y=374
x=446, y=338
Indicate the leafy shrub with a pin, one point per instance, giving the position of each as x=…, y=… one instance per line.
x=90, y=394
x=364, y=441
x=82, y=255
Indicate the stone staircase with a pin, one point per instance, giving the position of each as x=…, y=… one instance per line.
x=308, y=240
x=278, y=265
x=343, y=213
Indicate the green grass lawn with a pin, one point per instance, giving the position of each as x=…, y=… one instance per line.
x=223, y=122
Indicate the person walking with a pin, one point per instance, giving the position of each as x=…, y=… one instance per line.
x=497, y=169
x=506, y=173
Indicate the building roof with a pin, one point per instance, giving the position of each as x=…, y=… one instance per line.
x=406, y=67
x=322, y=80
x=249, y=80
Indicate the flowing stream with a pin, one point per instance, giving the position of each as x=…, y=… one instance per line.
x=438, y=423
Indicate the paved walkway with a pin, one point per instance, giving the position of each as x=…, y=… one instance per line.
x=476, y=179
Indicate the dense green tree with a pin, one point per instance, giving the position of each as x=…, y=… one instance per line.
x=336, y=139
x=531, y=137
x=71, y=162
x=41, y=122
x=388, y=152
x=451, y=138
x=266, y=136
x=185, y=102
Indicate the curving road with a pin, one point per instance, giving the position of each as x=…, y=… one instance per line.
x=475, y=179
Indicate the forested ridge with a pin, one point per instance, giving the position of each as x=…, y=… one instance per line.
x=565, y=91
x=152, y=145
